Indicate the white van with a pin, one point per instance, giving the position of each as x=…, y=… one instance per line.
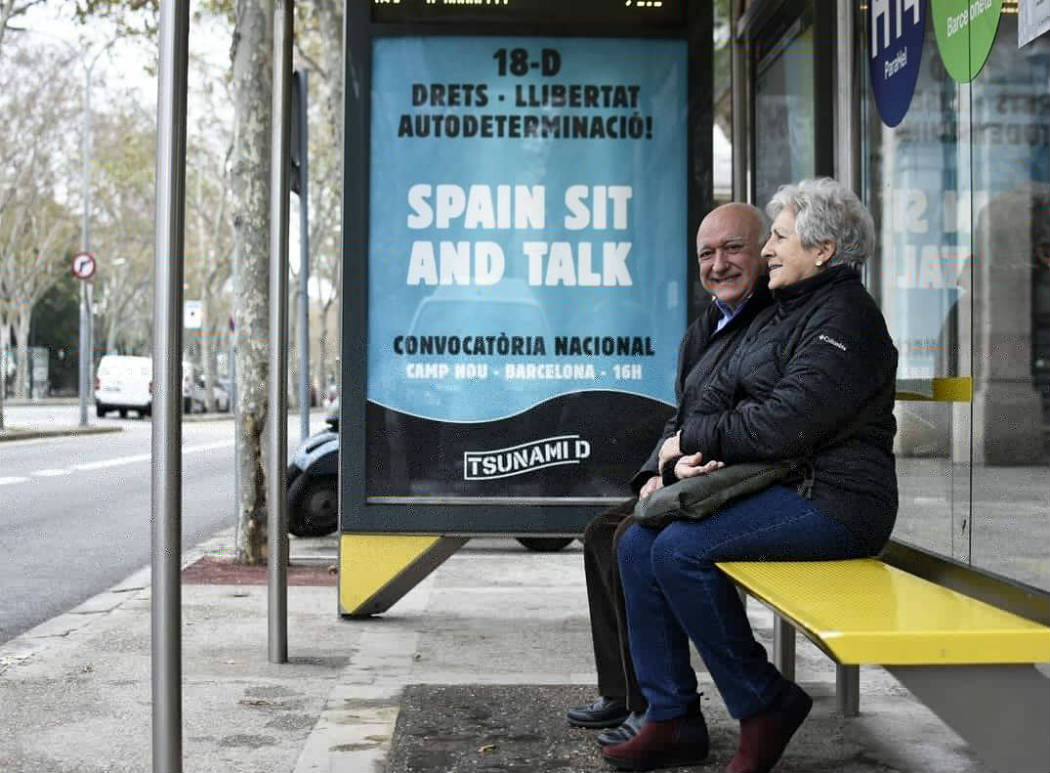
x=125, y=383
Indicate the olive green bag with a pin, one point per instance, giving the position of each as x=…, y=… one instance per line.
x=696, y=498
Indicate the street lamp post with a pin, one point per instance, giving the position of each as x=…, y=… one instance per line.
x=86, y=289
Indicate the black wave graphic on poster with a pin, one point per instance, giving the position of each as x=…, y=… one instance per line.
x=586, y=444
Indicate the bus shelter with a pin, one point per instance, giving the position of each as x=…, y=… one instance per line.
x=522, y=181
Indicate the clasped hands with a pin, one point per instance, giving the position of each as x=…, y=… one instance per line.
x=685, y=465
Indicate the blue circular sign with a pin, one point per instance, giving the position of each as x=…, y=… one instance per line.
x=895, y=33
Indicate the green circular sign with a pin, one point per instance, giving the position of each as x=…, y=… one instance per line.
x=965, y=32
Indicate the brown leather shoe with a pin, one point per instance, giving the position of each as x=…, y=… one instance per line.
x=764, y=736
x=667, y=744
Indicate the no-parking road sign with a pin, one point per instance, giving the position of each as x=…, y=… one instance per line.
x=84, y=265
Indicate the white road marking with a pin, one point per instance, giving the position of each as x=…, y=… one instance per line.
x=118, y=461
x=102, y=464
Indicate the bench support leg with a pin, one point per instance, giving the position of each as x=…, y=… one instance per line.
x=1003, y=712
x=847, y=687
x=784, y=647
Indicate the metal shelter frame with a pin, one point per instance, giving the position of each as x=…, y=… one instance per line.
x=166, y=471
x=166, y=468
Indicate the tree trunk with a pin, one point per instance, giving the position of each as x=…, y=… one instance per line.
x=252, y=55
x=207, y=350
x=5, y=336
x=22, y=358
x=322, y=354
x=325, y=307
x=111, y=334
x=294, y=360
x=330, y=13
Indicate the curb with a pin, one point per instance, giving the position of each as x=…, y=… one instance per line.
x=41, y=402
x=33, y=434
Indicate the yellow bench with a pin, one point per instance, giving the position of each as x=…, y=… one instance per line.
x=970, y=662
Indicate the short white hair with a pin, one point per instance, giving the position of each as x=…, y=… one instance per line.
x=826, y=210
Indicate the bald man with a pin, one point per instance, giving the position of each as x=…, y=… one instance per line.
x=728, y=249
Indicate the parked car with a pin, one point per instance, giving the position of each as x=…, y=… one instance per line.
x=124, y=384
x=313, y=493
x=199, y=395
x=192, y=389
x=223, y=395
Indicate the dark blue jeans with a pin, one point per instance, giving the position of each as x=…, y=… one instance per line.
x=674, y=592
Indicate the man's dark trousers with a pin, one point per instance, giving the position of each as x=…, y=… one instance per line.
x=703, y=350
x=612, y=654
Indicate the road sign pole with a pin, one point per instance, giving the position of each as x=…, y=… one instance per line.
x=90, y=342
x=84, y=269
x=84, y=369
x=277, y=415
x=166, y=469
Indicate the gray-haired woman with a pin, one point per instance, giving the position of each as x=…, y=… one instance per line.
x=810, y=365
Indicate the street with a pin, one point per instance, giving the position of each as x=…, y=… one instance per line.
x=75, y=511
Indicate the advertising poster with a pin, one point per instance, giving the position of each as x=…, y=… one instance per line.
x=528, y=250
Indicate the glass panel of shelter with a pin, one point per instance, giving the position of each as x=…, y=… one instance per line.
x=785, y=111
x=916, y=181
x=1010, y=321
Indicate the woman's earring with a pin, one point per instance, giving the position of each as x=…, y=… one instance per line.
x=820, y=263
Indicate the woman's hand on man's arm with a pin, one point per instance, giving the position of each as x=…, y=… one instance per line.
x=692, y=465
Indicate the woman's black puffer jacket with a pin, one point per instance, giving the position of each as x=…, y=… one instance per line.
x=807, y=366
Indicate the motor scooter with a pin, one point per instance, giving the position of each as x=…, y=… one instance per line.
x=313, y=493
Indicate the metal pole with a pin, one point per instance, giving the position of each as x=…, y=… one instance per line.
x=3, y=372
x=738, y=67
x=166, y=468
x=91, y=339
x=277, y=413
x=88, y=151
x=85, y=246
x=304, y=266
x=847, y=98
x=236, y=426
x=84, y=369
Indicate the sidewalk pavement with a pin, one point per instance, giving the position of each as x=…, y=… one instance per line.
x=471, y=671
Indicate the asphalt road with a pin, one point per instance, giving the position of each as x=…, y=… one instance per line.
x=75, y=511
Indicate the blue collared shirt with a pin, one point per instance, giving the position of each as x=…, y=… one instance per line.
x=728, y=312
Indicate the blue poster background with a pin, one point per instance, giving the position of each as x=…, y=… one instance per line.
x=406, y=307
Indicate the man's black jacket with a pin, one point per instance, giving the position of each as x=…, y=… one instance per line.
x=701, y=353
